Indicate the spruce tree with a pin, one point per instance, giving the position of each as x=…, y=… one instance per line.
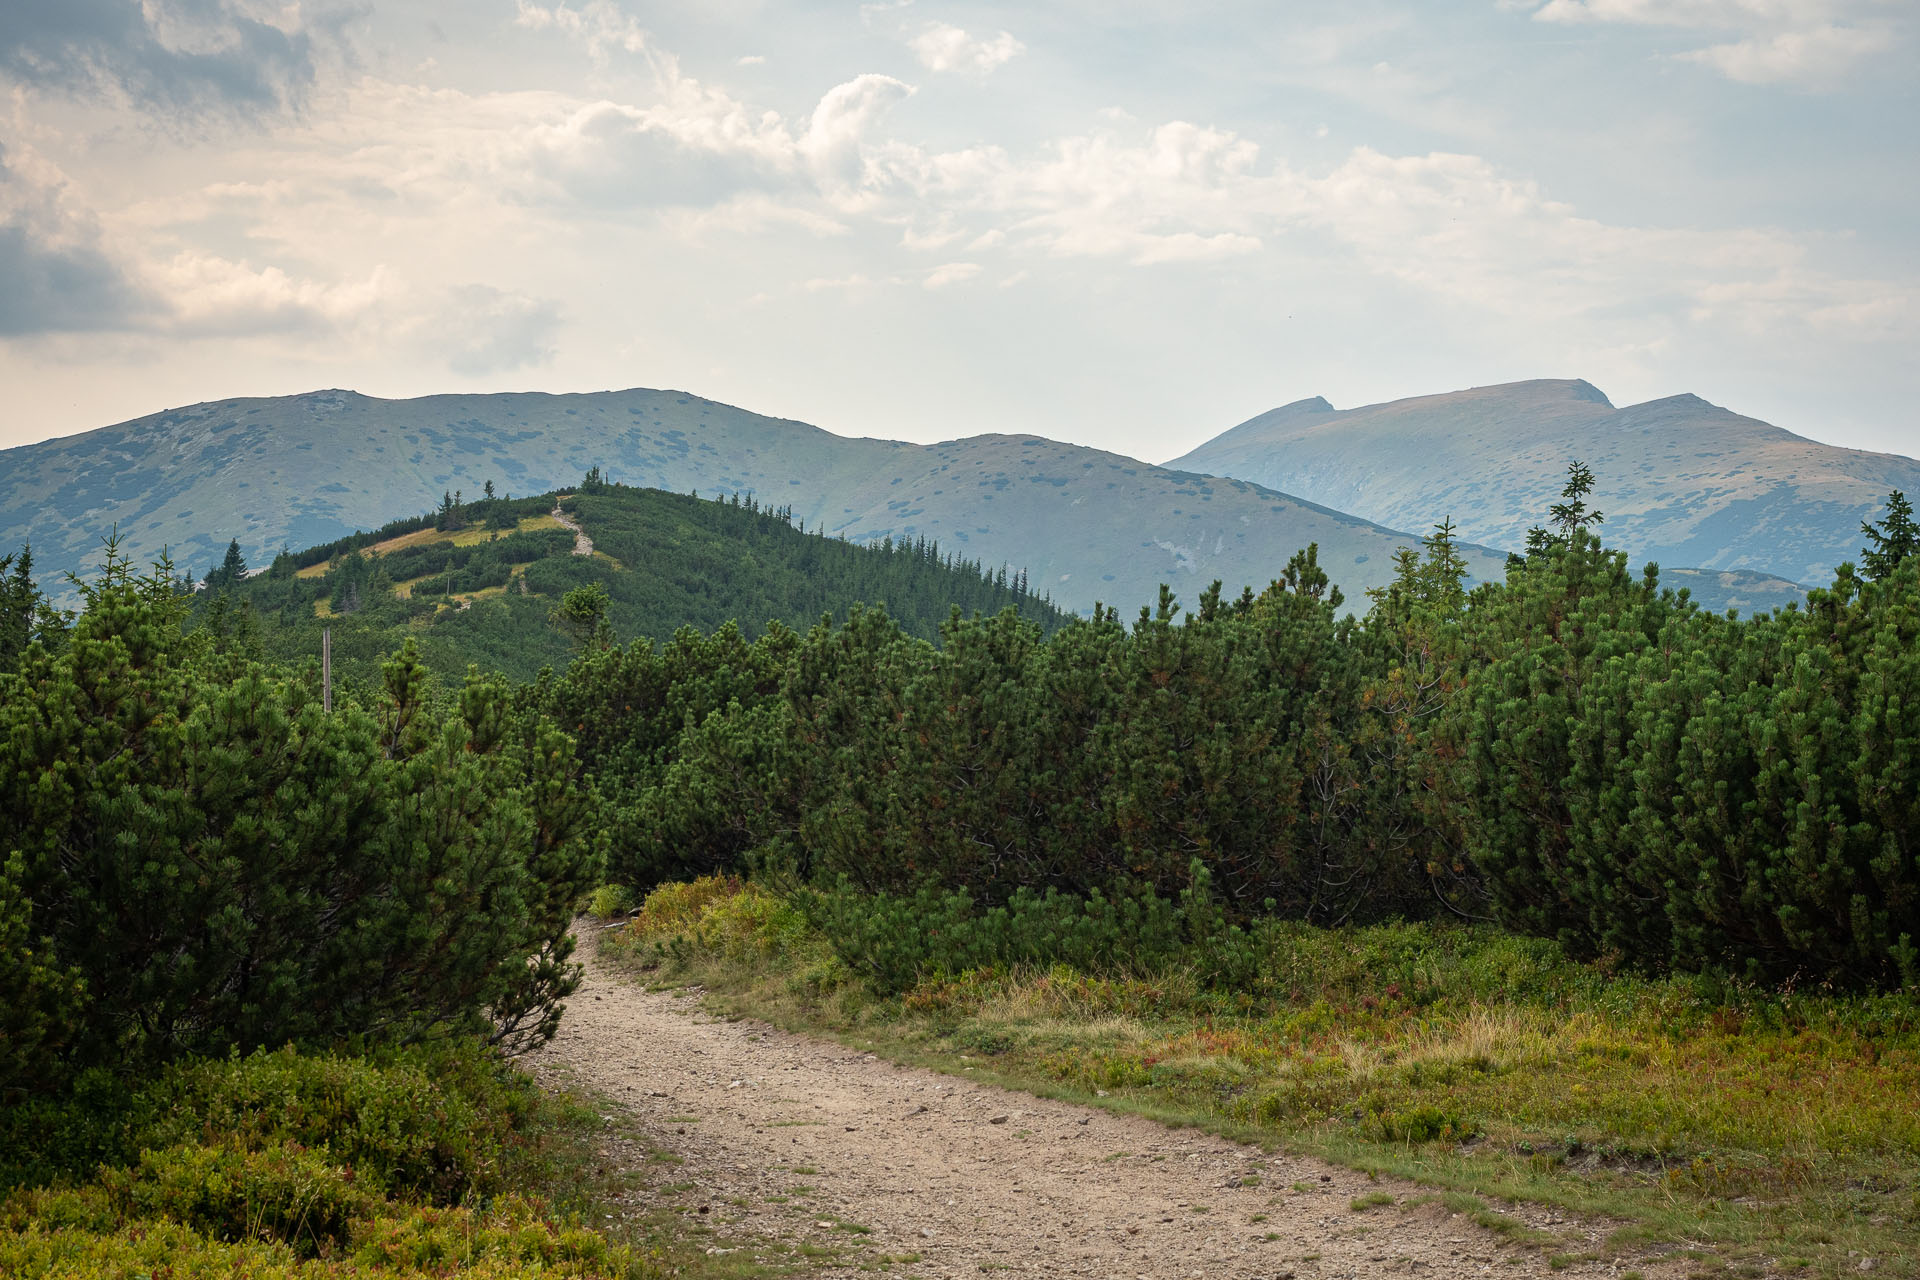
x=1891, y=541
x=232, y=569
x=21, y=606
x=1568, y=517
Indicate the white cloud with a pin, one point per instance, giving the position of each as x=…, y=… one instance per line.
x=1191, y=246
x=211, y=296
x=751, y=213
x=173, y=58
x=827, y=284
x=834, y=144
x=1454, y=226
x=1811, y=43
x=700, y=163
x=750, y=60
x=118, y=274
x=600, y=24
x=1819, y=55
x=1175, y=195
x=696, y=146
x=941, y=47
x=60, y=274
x=683, y=179
x=943, y=233
x=488, y=330
x=1450, y=225
x=471, y=329
x=1695, y=13
x=951, y=273
x=1805, y=303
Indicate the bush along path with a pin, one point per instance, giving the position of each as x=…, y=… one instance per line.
x=802, y=1149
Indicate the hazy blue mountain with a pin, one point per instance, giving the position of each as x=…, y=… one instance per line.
x=299, y=470
x=1681, y=481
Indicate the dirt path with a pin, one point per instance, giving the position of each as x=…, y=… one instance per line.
x=802, y=1141
x=582, y=544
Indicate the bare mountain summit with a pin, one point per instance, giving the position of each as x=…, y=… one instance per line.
x=1681, y=481
x=299, y=470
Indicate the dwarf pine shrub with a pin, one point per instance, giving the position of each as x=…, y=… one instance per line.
x=895, y=941
x=200, y=858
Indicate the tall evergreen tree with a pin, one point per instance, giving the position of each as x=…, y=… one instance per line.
x=21, y=606
x=232, y=569
x=1569, y=516
x=1892, y=540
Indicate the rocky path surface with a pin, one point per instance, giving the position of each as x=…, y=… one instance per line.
x=582, y=544
x=853, y=1160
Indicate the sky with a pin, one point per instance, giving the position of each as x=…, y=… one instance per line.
x=1123, y=223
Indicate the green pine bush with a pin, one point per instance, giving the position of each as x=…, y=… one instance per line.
x=202, y=859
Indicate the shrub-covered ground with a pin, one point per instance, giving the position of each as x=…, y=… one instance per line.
x=282, y=1164
x=444, y=1162
x=1768, y=1130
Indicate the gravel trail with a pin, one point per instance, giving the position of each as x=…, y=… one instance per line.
x=963, y=1178
x=582, y=544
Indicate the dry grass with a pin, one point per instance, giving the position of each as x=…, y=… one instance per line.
x=430, y=537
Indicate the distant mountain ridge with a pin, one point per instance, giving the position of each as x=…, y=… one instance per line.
x=301, y=470
x=1681, y=481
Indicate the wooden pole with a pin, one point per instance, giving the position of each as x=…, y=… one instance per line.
x=326, y=669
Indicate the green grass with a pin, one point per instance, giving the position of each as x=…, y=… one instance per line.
x=1762, y=1127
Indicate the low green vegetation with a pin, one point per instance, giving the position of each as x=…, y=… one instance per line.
x=407, y=1164
x=1760, y=1127
x=1559, y=887
x=263, y=964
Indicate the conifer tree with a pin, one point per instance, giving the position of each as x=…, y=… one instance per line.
x=231, y=570
x=1567, y=517
x=1892, y=540
x=21, y=606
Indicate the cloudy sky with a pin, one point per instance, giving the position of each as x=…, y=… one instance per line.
x=1128, y=223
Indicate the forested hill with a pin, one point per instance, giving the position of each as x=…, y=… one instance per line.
x=501, y=582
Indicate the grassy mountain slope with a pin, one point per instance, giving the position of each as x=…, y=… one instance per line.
x=298, y=470
x=1742, y=589
x=482, y=592
x=1681, y=481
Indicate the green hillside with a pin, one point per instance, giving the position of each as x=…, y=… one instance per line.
x=1682, y=482
x=480, y=584
x=299, y=470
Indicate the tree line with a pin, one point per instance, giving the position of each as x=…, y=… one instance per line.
x=1575, y=752
x=197, y=857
